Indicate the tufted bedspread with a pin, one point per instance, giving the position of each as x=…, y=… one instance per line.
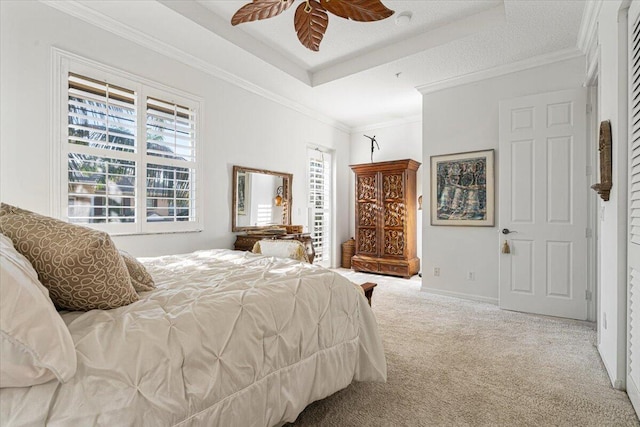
x=227, y=339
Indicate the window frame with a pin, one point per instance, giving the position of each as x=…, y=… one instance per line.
x=65, y=62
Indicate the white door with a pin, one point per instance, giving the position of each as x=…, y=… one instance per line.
x=543, y=203
x=633, y=251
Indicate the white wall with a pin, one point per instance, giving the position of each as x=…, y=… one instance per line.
x=612, y=95
x=465, y=118
x=397, y=142
x=239, y=127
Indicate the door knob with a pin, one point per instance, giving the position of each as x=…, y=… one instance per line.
x=506, y=231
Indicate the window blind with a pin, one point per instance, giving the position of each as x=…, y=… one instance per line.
x=320, y=202
x=171, y=135
x=170, y=130
x=112, y=178
x=101, y=115
x=634, y=176
x=101, y=131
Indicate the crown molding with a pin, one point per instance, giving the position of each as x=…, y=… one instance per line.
x=501, y=70
x=390, y=123
x=90, y=16
x=216, y=25
x=589, y=25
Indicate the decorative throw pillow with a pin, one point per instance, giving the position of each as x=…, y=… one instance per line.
x=140, y=277
x=80, y=267
x=35, y=343
x=293, y=249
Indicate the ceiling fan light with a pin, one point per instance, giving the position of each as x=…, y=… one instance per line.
x=403, y=18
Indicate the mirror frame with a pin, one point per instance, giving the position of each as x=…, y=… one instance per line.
x=287, y=181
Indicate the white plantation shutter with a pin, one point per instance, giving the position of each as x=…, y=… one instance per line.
x=101, y=115
x=633, y=245
x=129, y=154
x=171, y=171
x=320, y=204
x=170, y=130
x=101, y=164
x=634, y=113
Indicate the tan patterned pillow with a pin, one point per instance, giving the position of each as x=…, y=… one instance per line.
x=81, y=267
x=140, y=277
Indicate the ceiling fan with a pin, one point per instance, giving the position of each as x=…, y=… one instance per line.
x=311, y=18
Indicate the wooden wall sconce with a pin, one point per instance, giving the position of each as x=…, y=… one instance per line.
x=604, y=186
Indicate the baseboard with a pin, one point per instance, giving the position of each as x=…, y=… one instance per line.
x=617, y=383
x=460, y=295
x=634, y=394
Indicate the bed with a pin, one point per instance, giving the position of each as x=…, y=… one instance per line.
x=227, y=338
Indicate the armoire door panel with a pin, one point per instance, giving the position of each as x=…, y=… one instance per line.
x=366, y=187
x=367, y=214
x=367, y=242
x=394, y=214
x=394, y=243
x=393, y=186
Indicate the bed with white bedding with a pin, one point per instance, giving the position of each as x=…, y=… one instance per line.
x=227, y=338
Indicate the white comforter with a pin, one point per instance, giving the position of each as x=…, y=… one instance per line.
x=228, y=339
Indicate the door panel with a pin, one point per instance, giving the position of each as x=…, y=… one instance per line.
x=522, y=161
x=521, y=268
x=559, y=185
x=543, y=201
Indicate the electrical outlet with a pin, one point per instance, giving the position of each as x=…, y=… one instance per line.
x=471, y=275
x=436, y=271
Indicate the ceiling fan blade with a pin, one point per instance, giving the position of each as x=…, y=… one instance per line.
x=358, y=10
x=260, y=9
x=311, y=22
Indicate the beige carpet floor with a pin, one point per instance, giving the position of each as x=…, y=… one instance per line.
x=453, y=362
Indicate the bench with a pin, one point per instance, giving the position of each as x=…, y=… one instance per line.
x=368, y=290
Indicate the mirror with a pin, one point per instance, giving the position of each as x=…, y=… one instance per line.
x=261, y=198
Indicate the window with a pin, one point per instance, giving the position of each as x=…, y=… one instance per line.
x=320, y=196
x=128, y=153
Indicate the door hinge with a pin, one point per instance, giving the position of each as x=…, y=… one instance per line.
x=588, y=233
x=589, y=108
x=589, y=170
x=587, y=295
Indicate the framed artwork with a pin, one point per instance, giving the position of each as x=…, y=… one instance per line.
x=242, y=193
x=462, y=189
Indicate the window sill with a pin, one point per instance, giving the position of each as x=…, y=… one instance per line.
x=147, y=233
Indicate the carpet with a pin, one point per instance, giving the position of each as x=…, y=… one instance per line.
x=453, y=362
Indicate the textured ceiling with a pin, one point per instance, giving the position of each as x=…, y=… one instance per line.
x=345, y=38
x=355, y=71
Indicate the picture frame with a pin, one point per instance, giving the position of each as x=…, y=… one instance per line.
x=603, y=188
x=463, y=189
x=241, y=193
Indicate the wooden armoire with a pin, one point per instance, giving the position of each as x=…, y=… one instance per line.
x=386, y=218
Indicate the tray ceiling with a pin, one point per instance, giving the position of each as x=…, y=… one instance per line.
x=365, y=73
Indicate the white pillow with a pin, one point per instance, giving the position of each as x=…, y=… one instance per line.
x=293, y=249
x=35, y=343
